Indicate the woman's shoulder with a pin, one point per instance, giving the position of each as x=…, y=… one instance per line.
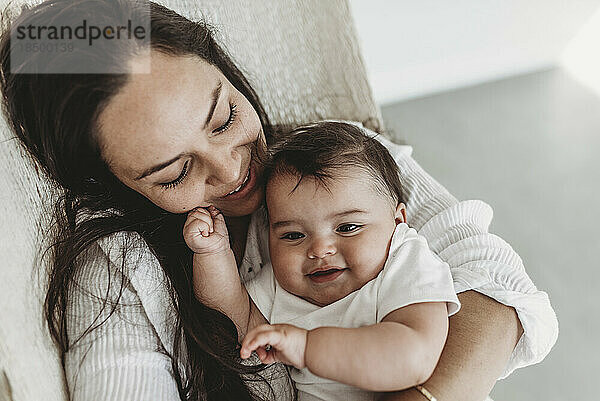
x=121, y=269
x=128, y=248
x=125, y=254
x=396, y=150
x=129, y=254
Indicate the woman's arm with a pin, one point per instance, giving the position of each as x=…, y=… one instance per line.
x=481, y=338
x=458, y=233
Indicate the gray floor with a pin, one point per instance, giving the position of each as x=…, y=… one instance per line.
x=529, y=146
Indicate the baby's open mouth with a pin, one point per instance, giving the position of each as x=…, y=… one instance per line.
x=325, y=275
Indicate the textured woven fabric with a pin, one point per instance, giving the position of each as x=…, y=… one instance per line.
x=301, y=57
x=303, y=60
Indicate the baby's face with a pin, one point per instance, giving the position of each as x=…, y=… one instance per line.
x=327, y=242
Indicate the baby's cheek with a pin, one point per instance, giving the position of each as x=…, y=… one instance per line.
x=368, y=259
x=285, y=266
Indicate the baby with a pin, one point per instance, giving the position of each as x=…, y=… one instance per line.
x=357, y=302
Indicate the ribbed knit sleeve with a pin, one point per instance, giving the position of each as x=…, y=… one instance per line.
x=120, y=360
x=481, y=261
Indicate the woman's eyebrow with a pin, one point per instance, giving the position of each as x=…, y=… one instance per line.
x=215, y=99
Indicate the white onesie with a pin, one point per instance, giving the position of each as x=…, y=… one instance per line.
x=411, y=274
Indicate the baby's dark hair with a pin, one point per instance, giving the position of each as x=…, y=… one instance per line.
x=324, y=150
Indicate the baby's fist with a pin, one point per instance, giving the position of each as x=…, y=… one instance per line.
x=276, y=343
x=205, y=232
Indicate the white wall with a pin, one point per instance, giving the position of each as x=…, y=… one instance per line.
x=581, y=58
x=412, y=48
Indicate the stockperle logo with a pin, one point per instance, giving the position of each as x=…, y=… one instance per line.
x=86, y=42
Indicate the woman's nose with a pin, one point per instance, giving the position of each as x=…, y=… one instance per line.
x=223, y=166
x=321, y=247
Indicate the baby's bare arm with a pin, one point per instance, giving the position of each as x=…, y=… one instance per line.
x=217, y=282
x=400, y=352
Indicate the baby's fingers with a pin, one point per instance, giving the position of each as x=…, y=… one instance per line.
x=262, y=354
x=197, y=227
x=218, y=220
x=257, y=339
x=201, y=221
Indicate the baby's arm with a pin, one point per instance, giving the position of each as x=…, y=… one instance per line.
x=399, y=352
x=217, y=282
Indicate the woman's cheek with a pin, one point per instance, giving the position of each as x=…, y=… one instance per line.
x=174, y=204
x=250, y=121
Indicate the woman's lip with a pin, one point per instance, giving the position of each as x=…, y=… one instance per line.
x=246, y=188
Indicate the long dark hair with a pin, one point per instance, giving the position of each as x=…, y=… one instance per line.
x=55, y=117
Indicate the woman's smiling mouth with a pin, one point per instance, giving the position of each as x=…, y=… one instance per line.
x=245, y=187
x=242, y=184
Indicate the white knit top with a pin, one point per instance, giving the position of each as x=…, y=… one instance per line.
x=122, y=359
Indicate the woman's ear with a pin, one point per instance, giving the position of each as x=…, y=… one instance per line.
x=400, y=213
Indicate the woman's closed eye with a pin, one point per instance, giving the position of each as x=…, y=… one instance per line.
x=230, y=119
x=348, y=228
x=292, y=236
x=222, y=128
x=177, y=180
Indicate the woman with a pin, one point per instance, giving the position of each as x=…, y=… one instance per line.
x=135, y=152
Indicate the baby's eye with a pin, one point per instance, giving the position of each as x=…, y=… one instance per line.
x=293, y=236
x=348, y=228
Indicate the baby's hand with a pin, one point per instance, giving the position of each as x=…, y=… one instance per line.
x=286, y=344
x=205, y=231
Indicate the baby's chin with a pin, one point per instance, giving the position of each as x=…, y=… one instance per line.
x=326, y=293
x=323, y=298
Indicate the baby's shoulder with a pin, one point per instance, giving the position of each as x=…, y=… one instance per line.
x=404, y=233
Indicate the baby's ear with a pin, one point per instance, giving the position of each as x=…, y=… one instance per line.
x=400, y=213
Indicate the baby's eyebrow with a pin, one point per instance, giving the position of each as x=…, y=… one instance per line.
x=347, y=213
x=280, y=224
x=283, y=223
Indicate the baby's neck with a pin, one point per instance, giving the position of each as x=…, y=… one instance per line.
x=238, y=230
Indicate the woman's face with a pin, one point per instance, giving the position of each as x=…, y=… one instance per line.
x=183, y=137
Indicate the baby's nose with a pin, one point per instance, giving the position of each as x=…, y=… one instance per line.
x=321, y=248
